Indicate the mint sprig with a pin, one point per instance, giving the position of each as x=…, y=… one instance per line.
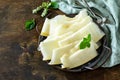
x=85, y=42
x=45, y=6
x=54, y=5
x=30, y=24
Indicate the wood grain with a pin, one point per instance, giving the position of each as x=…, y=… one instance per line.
x=19, y=58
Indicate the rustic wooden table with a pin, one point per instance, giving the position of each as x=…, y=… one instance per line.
x=16, y=64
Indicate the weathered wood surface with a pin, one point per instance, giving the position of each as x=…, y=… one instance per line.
x=16, y=64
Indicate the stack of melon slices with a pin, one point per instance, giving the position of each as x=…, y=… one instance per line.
x=64, y=35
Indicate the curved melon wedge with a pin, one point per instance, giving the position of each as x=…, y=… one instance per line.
x=49, y=44
x=59, y=52
x=91, y=28
x=79, y=58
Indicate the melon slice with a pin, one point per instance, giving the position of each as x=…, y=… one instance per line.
x=47, y=48
x=48, y=45
x=59, y=52
x=79, y=58
x=91, y=28
x=46, y=26
x=64, y=28
x=67, y=49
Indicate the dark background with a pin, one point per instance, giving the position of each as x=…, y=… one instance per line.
x=19, y=58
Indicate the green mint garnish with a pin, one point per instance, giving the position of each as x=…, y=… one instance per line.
x=85, y=42
x=30, y=24
x=45, y=6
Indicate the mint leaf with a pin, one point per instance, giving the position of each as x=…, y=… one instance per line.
x=89, y=38
x=82, y=45
x=88, y=45
x=29, y=25
x=54, y=5
x=85, y=42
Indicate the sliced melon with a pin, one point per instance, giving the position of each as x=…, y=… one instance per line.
x=46, y=26
x=64, y=28
x=91, y=28
x=64, y=35
x=59, y=37
x=59, y=52
x=60, y=18
x=57, y=22
x=81, y=15
x=58, y=26
x=61, y=29
x=47, y=48
x=48, y=45
x=67, y=49
x=78, y=25
x=79, y=58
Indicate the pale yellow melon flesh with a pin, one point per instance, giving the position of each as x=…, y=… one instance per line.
x=64, y=35
x=79, y=58
x=59, y=52
x=48, y=45
x=91, y=28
